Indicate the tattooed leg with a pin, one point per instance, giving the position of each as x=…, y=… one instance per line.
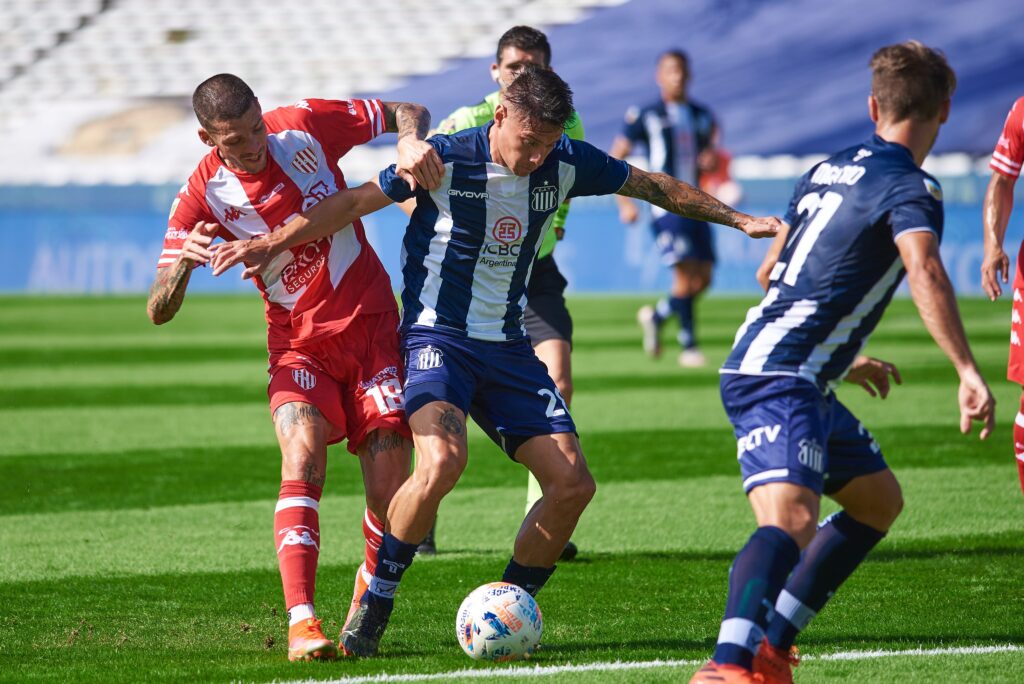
x=384, y=457
x=302, y=433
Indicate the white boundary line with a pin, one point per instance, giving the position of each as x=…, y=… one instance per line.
x=548, y=670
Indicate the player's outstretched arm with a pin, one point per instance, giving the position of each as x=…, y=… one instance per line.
x=168, y=291
x=628, y=212
x=995, y=266
x=682, y=198
x=764, y=271
x=418, y=162
x=933, y=295
x=327, y=217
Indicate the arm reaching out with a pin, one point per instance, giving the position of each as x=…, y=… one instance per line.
x=684, y=199
x=995, y=266
x=168, y=291
x=933, y=295
x=764, y=271
x=326, y=218
x=628, y=212
x=418, y=162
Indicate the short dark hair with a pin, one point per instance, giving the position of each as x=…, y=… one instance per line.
x=676, y=53
x=221, y=98
x=525, y=38
x=541, y=96
x=911, y=81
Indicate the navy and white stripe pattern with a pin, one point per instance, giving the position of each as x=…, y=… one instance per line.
x=840, y=266
x=471, y=244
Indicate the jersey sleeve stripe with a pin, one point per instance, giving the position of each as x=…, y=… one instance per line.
x=918, y=229
x=380, y=116
x=1002, y=168
x=1006, y=160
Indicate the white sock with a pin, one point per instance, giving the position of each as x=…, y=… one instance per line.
x=297, y=614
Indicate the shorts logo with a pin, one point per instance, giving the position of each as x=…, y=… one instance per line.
x=812, y=455
x=305, y=161
x=507, y=230
x=757, y=437
x=429, y=357
x=304, y=379
x=544, y=198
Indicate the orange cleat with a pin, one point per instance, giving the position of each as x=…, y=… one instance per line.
x=713, y=673
x=306, y=641
x=774, y=664
x=358, y=589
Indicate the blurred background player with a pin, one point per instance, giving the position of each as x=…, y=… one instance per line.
x=1006, y=164
x=462, y=330
x=857, y=223
x=334, y=364
x=547, y=319
x=679, y=137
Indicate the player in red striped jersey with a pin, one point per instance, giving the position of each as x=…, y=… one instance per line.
x=995, y=267
x=332, y=320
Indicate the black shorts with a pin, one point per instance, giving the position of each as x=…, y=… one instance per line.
x=546, y=316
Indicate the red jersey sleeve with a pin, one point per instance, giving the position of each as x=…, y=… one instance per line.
x=1009, y=153
x=339, y=125
x=187, y=210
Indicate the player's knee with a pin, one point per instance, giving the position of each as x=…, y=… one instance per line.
x=439, y=473
x=574, y=490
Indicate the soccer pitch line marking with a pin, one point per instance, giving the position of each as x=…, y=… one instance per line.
x=549, y=670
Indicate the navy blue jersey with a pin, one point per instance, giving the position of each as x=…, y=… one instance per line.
x=470, y=245
x=840, y=265
x=673, y=135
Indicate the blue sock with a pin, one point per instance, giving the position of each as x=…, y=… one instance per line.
x=393, y=559
x=531, y=579
x=757, y=574
x=683, y=308
x=838, y=548
x=662, y=311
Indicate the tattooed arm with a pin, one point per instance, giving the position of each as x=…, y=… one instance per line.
x=684, y=199
x=168, y=291
x=418, y=162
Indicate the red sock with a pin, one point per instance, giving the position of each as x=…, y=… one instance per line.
x=373, y=532
x=1018, y=441
x=297, y=539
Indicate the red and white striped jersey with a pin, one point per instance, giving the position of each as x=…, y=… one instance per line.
x=1009, y=152
x=316, y=289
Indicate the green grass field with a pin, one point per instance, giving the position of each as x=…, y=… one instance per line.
x=139, y=472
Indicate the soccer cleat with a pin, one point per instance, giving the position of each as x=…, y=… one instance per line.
x=648, y=321
x=774, y=664
x=713, y=673
x=428, y=546
x=365, y=627
x=569, y=552
x=692, y=358
x=306, y=641
x=358, y=589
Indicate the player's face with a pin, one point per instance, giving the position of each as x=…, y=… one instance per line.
x=523, y=144
x=672, y=78
x=512, y=62
x=241, y=142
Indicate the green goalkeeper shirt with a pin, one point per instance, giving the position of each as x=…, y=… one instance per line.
x=479, y=114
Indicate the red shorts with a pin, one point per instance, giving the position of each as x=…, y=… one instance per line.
x=353, y=378
x=1015, y=369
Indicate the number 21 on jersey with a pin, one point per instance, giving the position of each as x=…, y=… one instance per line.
x=819, y=209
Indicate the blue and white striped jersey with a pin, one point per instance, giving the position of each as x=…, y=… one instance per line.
x=840, y=265
x=470, y=245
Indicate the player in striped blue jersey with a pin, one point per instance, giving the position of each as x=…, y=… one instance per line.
x=467, y=256
x=856, y=225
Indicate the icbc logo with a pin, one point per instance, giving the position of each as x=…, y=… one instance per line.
x=507, y=229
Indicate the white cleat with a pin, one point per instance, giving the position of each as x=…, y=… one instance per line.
x=692, y=358
x=652, y=334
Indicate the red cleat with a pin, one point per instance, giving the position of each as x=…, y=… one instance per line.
x=713, y=673
x=306, y=641
x=774, y=664
x=358, y=589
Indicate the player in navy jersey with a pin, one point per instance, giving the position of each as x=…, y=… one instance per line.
x=467, y=256
x=857, y=223
x=679, y=137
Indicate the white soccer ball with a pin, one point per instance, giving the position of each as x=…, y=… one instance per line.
x=498, y=621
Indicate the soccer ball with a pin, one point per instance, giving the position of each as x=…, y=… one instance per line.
x=498, y=621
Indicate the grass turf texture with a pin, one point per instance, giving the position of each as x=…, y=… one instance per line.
x=139, y=474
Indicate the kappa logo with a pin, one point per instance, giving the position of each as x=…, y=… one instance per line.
x=233, y=214
x=1017, y=296
x=305, y=161
x=429, y=357
x=544, y=198
x=302, y=104
x=304, y=379
x=507, y=230
x=299, y=535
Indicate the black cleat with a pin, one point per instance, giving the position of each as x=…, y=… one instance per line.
x=428, y=547
x=361, y=635
x=569, y=552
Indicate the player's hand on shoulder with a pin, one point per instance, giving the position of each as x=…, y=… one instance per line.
x=419, y=164
x=873, y=375
x=761, y=226
x=976, y=403
x=254, y=253
x=995, y=268
x=197, y=248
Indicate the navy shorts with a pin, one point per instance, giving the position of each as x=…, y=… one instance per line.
x=504, y=382
x=680, y=238
x=788, y=431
